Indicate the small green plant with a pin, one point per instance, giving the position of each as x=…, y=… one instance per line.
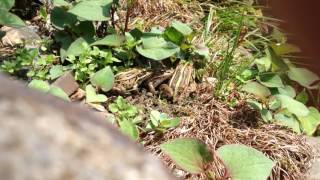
x=128, y=116
x=160, y=122
x=241, y=161
x=271, y=80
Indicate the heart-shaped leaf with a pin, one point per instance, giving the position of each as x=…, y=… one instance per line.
x=293, y=106
x=77, y=47
x=157, y=48
x=170, y=123
x=10, y=19
x=60, y=3
x=285, y=48
x=270, y=80
x=182, y=28
x=55, y=72
x=263, y=64
x=6, y=4
x=287, y=90
x=311, y=122
x=93, y=97
x=256, y=89
x=103, y=79
x=288, y=121
x=60, y=18
x=190, y=154
x=304, y=77
x=245, y=163
x=113, y=40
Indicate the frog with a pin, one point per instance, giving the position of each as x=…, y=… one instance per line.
x=158, y=79
x=129, y=80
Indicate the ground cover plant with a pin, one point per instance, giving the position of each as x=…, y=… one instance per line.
x=201, y=84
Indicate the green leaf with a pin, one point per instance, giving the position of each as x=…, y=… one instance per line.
x=85, y=29
x=270, y=80
x=190, y=154
x=285, y=48
x=245, y=163
x=93, y=10
x=287, y=90
x=60, y=3
x=311, y=122
x=103, y=79
x=93, y=97
x=129, y=129
x=263, y=64
x=182, y=28
x=274, y=103
x=254, y=104
x=60, y=18
x=10, y=19
x=173, y=35
x=157, y=48
x=256, y=89
x=6, y=5
x=113, y=108
x=293, y=106
x=155, y=117
x=266, y=115
x=288, y=121
x=170, y=123
x=39, y=85
x=303, y=76
x=58, y=92
x=55, y=72
x=303, y=97
x=277, y=62
x=113, y=40
x=77, y=47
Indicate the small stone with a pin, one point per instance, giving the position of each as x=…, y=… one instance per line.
x=67, y=83
x=78, y=95
x=18, y=35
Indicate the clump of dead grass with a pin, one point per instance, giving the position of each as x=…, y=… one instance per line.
x=215, y=124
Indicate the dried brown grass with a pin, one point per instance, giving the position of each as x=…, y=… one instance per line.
x=215, y=124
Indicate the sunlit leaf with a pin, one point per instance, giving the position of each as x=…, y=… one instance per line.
x=311, y=122
x=287, y=90
x=288, y=121
x=304, y=77
x=93, y=10
x=256, y=89
x=293, y=105
x=190, y=154
x=270, y=80
x=182, y=28
x=285, y=48
x=103, y=79
x=39, y=85
x=58, y=92
x=245, y=163
x=110, y=40
x=93, y=97
x=130, y=129
x=10, y=19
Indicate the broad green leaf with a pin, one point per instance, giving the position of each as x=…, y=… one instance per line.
x=77, y=47
x=190, y=154
x=303, y=76
x=93, y=97
x=287, y=90
x=93, y=10
x=113, y=40
x=155, y=117
x=39, y=85
x=311, y=122
x=303, y=97
x=60, y=18
x=270, y=80
x=245, y=163
x=293, y=106
x=10, y=19
x=60, y=3
x=113, y=108
x=173, y=35
x=277, y=62
x=266, y=115
x=182, y=28
x=170, y=123
x=6, y=4
x=58, y=92
x=263, y=64
x=157, y=48
x=285, y=48
x=256, y=89
x=85, y=29
x=254, y=104
x=129, y=129
x=274, y=103
x=103, y=79
x=55, y=72
x=288, y=121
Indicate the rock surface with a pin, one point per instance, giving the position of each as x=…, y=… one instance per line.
x=15, y=36
x=314, y=172
x=67, y=83
x=42, y=137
